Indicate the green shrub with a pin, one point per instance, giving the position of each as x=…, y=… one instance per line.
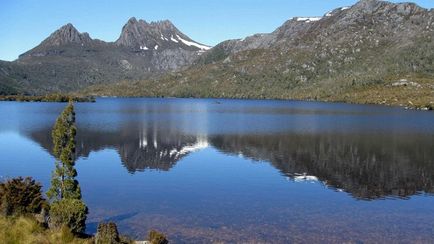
x=69, y=212
x=107, y=234
x=21, y=196
x=156, y=237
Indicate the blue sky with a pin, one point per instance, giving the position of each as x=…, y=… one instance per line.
x=25, y=23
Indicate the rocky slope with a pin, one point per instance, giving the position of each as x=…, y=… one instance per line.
x=353, y=54
x=69, y=60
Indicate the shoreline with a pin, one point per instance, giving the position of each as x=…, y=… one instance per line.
x=60, y=98
x=92, y=98
x=420, y=108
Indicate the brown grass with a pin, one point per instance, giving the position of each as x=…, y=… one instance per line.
x=26, y=230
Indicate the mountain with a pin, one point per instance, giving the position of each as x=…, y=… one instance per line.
x=67, y=34
x=69, y=60
x=372, y=52
x=156, y=35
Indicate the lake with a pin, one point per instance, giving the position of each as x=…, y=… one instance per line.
x=217, y=170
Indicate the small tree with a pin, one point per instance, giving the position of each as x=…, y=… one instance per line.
x=21, y=196
x=67, y=208
x=107, y=233
x=63, y=182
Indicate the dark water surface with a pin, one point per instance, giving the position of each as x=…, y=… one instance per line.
x=204, y=170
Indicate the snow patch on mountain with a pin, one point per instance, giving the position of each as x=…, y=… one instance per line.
x=307, y=19
x=189, y=43
x=331, y=13
x=173, y=39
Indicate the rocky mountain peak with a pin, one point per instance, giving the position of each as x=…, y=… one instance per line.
x=164, y=25
x=372, y=6
x=369, y=3
x=160, y=35
x=132, y=20
x=67, y=34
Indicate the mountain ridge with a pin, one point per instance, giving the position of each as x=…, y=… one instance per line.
x=345, y=55
x=352, y=54
x=69, y=60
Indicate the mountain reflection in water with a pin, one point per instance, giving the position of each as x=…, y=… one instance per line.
x=239, y=171
x=367, y=166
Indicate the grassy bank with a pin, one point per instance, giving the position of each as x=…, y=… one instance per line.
x=28, y=230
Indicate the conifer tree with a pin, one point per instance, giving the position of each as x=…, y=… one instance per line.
x=63, y=182
x=67, y=208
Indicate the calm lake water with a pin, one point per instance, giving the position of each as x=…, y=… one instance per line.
x=211, y=170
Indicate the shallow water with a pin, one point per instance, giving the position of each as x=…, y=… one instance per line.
x=212, y=170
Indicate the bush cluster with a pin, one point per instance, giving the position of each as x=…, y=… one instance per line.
x=107, y=234
x=156, y=237
x=69, y=212
x=21, y=196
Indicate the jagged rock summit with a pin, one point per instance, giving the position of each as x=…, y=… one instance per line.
x=67, y=34
x=70, y=60
x=139, y=34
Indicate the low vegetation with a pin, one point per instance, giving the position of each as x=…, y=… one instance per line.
x=69, y=212
x=156, y=237
x=417, y=94
x=26, y=229
x=20, y=197
x=107, y=233
x=23, y=216
x=47, y=98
